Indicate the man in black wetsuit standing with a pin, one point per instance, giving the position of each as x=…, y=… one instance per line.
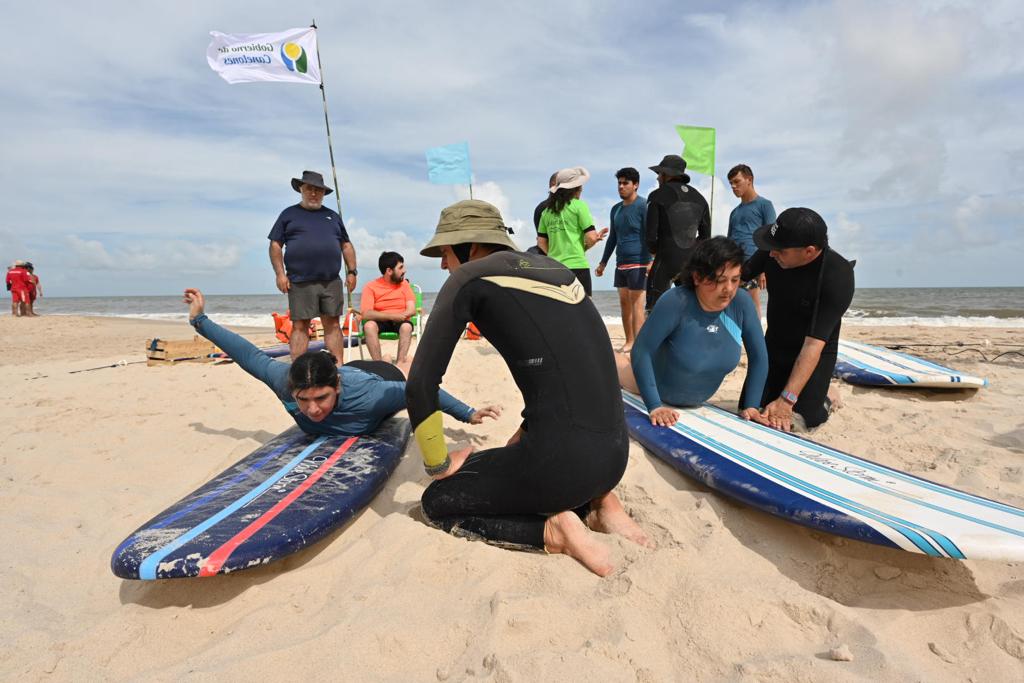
x=555, y=476
x=810, y=286
x=677, y=218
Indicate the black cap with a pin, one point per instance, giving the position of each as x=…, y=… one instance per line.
x=796, y=227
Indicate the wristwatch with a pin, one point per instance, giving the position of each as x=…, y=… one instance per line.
x=789, y=397
x=353, y=272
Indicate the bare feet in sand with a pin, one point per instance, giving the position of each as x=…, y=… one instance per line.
x=608, y=516
x=566, y=534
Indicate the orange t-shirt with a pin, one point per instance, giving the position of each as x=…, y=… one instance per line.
x=383, y=295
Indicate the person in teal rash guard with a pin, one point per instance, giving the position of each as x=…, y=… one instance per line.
x=692, y=338
x=321, y=397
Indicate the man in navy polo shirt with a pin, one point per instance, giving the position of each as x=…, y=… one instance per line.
x=307, y=244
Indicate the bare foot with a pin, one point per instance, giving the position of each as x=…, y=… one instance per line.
x=626, y=348
x=836, y=398
x=608, y=516
x=566, y=534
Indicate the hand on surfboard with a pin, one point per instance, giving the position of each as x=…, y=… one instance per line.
x=196, y=302
x=493, y=412
x=778, y=415
x=664, y=416
x=457, y=459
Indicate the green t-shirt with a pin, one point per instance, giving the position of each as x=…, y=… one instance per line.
x=564, y=231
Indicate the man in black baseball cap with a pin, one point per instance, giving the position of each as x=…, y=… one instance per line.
x=810, y=286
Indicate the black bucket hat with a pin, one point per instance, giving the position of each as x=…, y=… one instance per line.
x=311, y=178
x=672, y=165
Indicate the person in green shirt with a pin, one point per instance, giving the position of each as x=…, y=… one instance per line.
x=566, y=227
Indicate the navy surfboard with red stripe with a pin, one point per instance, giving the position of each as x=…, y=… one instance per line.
x=286, y=495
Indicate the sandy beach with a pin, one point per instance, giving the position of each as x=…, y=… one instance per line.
x=729, y=594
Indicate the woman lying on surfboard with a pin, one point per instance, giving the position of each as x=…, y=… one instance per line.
x=692, y=338
x=321, y=397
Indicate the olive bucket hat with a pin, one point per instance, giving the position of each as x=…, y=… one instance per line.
x=469, y=221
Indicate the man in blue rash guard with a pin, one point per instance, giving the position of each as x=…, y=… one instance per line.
x=692, y=338
x=322, y=398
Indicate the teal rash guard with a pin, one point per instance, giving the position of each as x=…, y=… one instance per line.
x=683, y=353
x=365, y=400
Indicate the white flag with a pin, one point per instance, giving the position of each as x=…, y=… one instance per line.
x=286, y=56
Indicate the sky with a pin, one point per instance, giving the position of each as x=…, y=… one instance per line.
x=130, y=168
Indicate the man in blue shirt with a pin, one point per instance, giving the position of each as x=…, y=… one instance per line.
x=307, y=244
x=627, y=239
x=752, y=212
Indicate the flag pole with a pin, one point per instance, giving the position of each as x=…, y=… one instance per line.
x=327, y=121
x=330, y=150
x=711, y=207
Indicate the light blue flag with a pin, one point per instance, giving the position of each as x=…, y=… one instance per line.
x=449, y=164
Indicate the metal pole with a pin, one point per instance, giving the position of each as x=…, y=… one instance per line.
x=330, y=146
x=471, y=190
x=711, y=206
x=327, y=122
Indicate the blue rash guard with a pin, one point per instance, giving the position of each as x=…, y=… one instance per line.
x=365, y=400
x=683, y=353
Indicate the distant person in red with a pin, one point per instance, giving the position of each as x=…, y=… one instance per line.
x=35, y=290
x=387, y=304
x=18, y=286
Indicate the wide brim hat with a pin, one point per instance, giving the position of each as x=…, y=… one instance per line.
x=568, y=178
x=311, y=178
x=467, y=222
x=672, y=165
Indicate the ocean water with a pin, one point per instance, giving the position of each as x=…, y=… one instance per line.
x=939, y=307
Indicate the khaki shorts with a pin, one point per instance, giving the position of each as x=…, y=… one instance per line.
x=308, y=300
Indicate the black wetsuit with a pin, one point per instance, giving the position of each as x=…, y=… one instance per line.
x=808, y=301
x=575, y=447
x=677, y=218
x=535, y=249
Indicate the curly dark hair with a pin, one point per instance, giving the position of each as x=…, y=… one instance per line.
x=708, y=258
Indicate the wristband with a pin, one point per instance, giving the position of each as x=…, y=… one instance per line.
x=353, y=272
x=789, y=397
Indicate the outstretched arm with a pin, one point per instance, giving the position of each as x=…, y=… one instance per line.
x=241, y=350
x=757, y=359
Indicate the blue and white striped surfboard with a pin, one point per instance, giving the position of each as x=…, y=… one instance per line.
x=829, y=490
x=282, y=497
x=879, y=367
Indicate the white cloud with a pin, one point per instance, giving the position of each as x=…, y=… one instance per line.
x=170, y=255
x=884, y=115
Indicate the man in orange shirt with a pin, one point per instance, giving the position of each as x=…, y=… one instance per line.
x=386, y=306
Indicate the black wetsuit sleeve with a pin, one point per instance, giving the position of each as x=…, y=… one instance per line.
x=652, y=221
x=836, y=294
x=704, y=227
x=754, y=265
x=447, y=322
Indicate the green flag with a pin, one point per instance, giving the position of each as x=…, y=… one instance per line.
x=698, y=148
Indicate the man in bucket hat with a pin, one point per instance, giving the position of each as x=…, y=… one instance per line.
x=554, y=478
x=810, y=287
x=677, y=218
x=307, y=244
